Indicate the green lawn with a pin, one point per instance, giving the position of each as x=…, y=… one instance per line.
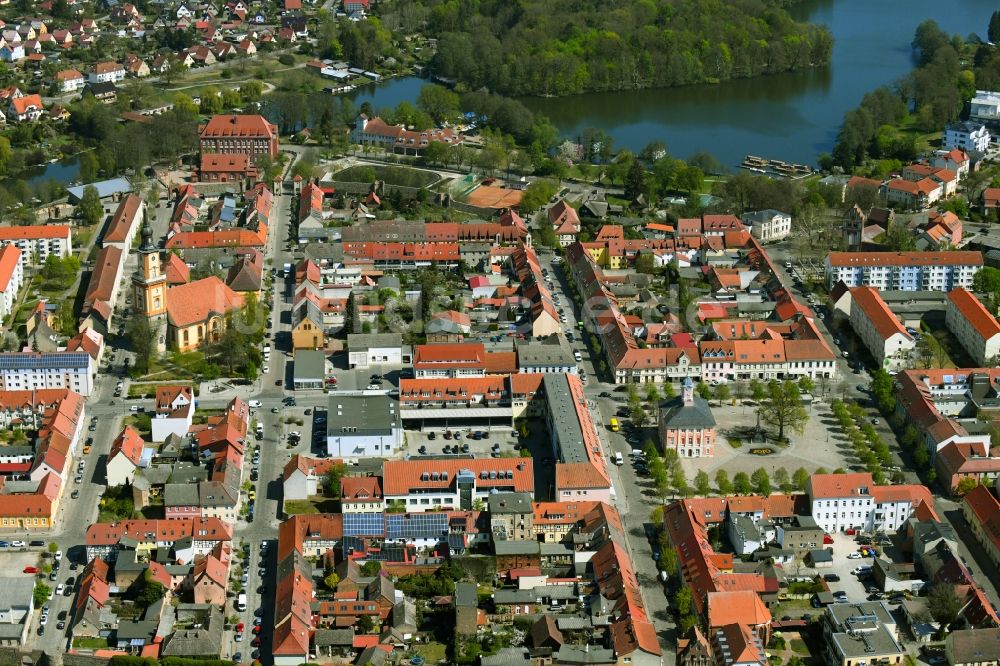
x=432, y=653
x=312, y=505
x=144, y=390
x=798, y=646
x=90, y=643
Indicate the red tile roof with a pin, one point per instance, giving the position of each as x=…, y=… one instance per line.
x=878, y=313
x=400, y=477
x=123, y=219
x=245, y=126
x=737, y=607
x=225, y=163
x=974, y=312
x=360, y=488
x=986, y=511
x=205, y=529
x=457, y=355
x=10, y=256
x=176, y=270
x=128, y=443
x=840, y=485
x=34, y=232
x=197, y=301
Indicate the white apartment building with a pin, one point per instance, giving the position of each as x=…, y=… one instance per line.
x=967, y=135
x=903, y=271
x=768, y=225
x=36, y=243
x=29, y=371
x=841, y=502
x=985, y=106
x=11, y=277
x=105, y=72
x=427, y=485
x=366, y=350
x=879, y=330
x=972, y=324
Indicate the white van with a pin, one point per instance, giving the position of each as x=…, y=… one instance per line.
x=618, y=459
x=578, y=356
x=241, y=603
x=254, y=403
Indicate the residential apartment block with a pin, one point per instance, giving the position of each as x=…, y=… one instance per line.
x=36, y=243
x=841, y=502
x=29, y=371
x=11, y=277
x=880, y=331
x=967, y=135
x=363, y=426
x=903, y=271
x=975, y=328
x=982, y=512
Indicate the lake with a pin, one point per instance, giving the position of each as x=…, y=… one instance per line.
x=791, y=117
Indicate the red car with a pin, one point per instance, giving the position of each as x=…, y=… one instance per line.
x=255, y=642
x=239, y=628
x=256, y=629
x=31, y=570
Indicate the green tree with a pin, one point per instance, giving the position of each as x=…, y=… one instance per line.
x=921, y=457
x=537, y=194
x=965, y=485
x=807, y=384
x=149, y=591
x=438, y=102
x=722, y=482
x=53, y=547
x=783, y=481
x=332, y=481
x=142, y=341
x=702, y=484
x=782, y=407
x=721, y=392
x=757, y=391
x=761, y=482
x=41, y=594
x=883, y=390
x=943, y=604
x=652, y=394
x=365, y=624
x=993, y=32
x=741, y=484
x=332, y=581
x=704, y=391
x=371, y=568
x=639, y=416
x=90, y=209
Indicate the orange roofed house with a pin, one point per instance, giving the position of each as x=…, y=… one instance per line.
x=196, y=312
x=249, y=135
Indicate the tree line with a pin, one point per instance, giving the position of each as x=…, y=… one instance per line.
x=534, y=47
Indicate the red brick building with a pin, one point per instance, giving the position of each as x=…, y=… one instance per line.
x=239, y=135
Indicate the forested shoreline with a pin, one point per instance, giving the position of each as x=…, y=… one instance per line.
x=541, y=47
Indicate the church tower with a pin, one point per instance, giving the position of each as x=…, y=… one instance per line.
x=149, y=283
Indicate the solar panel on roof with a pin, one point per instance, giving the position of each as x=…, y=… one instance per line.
x=364, y=524
x=44, y=361
x=416, y=525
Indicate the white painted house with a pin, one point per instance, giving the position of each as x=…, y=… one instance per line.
x=363, y=426
x=976, y=329
x=768, y=225
x=174, y=412
x=879, y=329
x=367, y=349
x=967, y=135
x=126, y=453
x=11, y=277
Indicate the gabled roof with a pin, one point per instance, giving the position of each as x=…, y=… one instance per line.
x=10, y=258
x=129, y=444
x=742, y=606
x=973, y=311
x=197, y=301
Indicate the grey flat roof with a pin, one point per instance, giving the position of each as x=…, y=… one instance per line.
x=362, y=414
x=466, y=594
x=534, y=354
x=310, y=365
x=516, y=547
x=564, y=421
x=511, y=503
x=16, y=592
x=868, y=644
x=366, y=341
